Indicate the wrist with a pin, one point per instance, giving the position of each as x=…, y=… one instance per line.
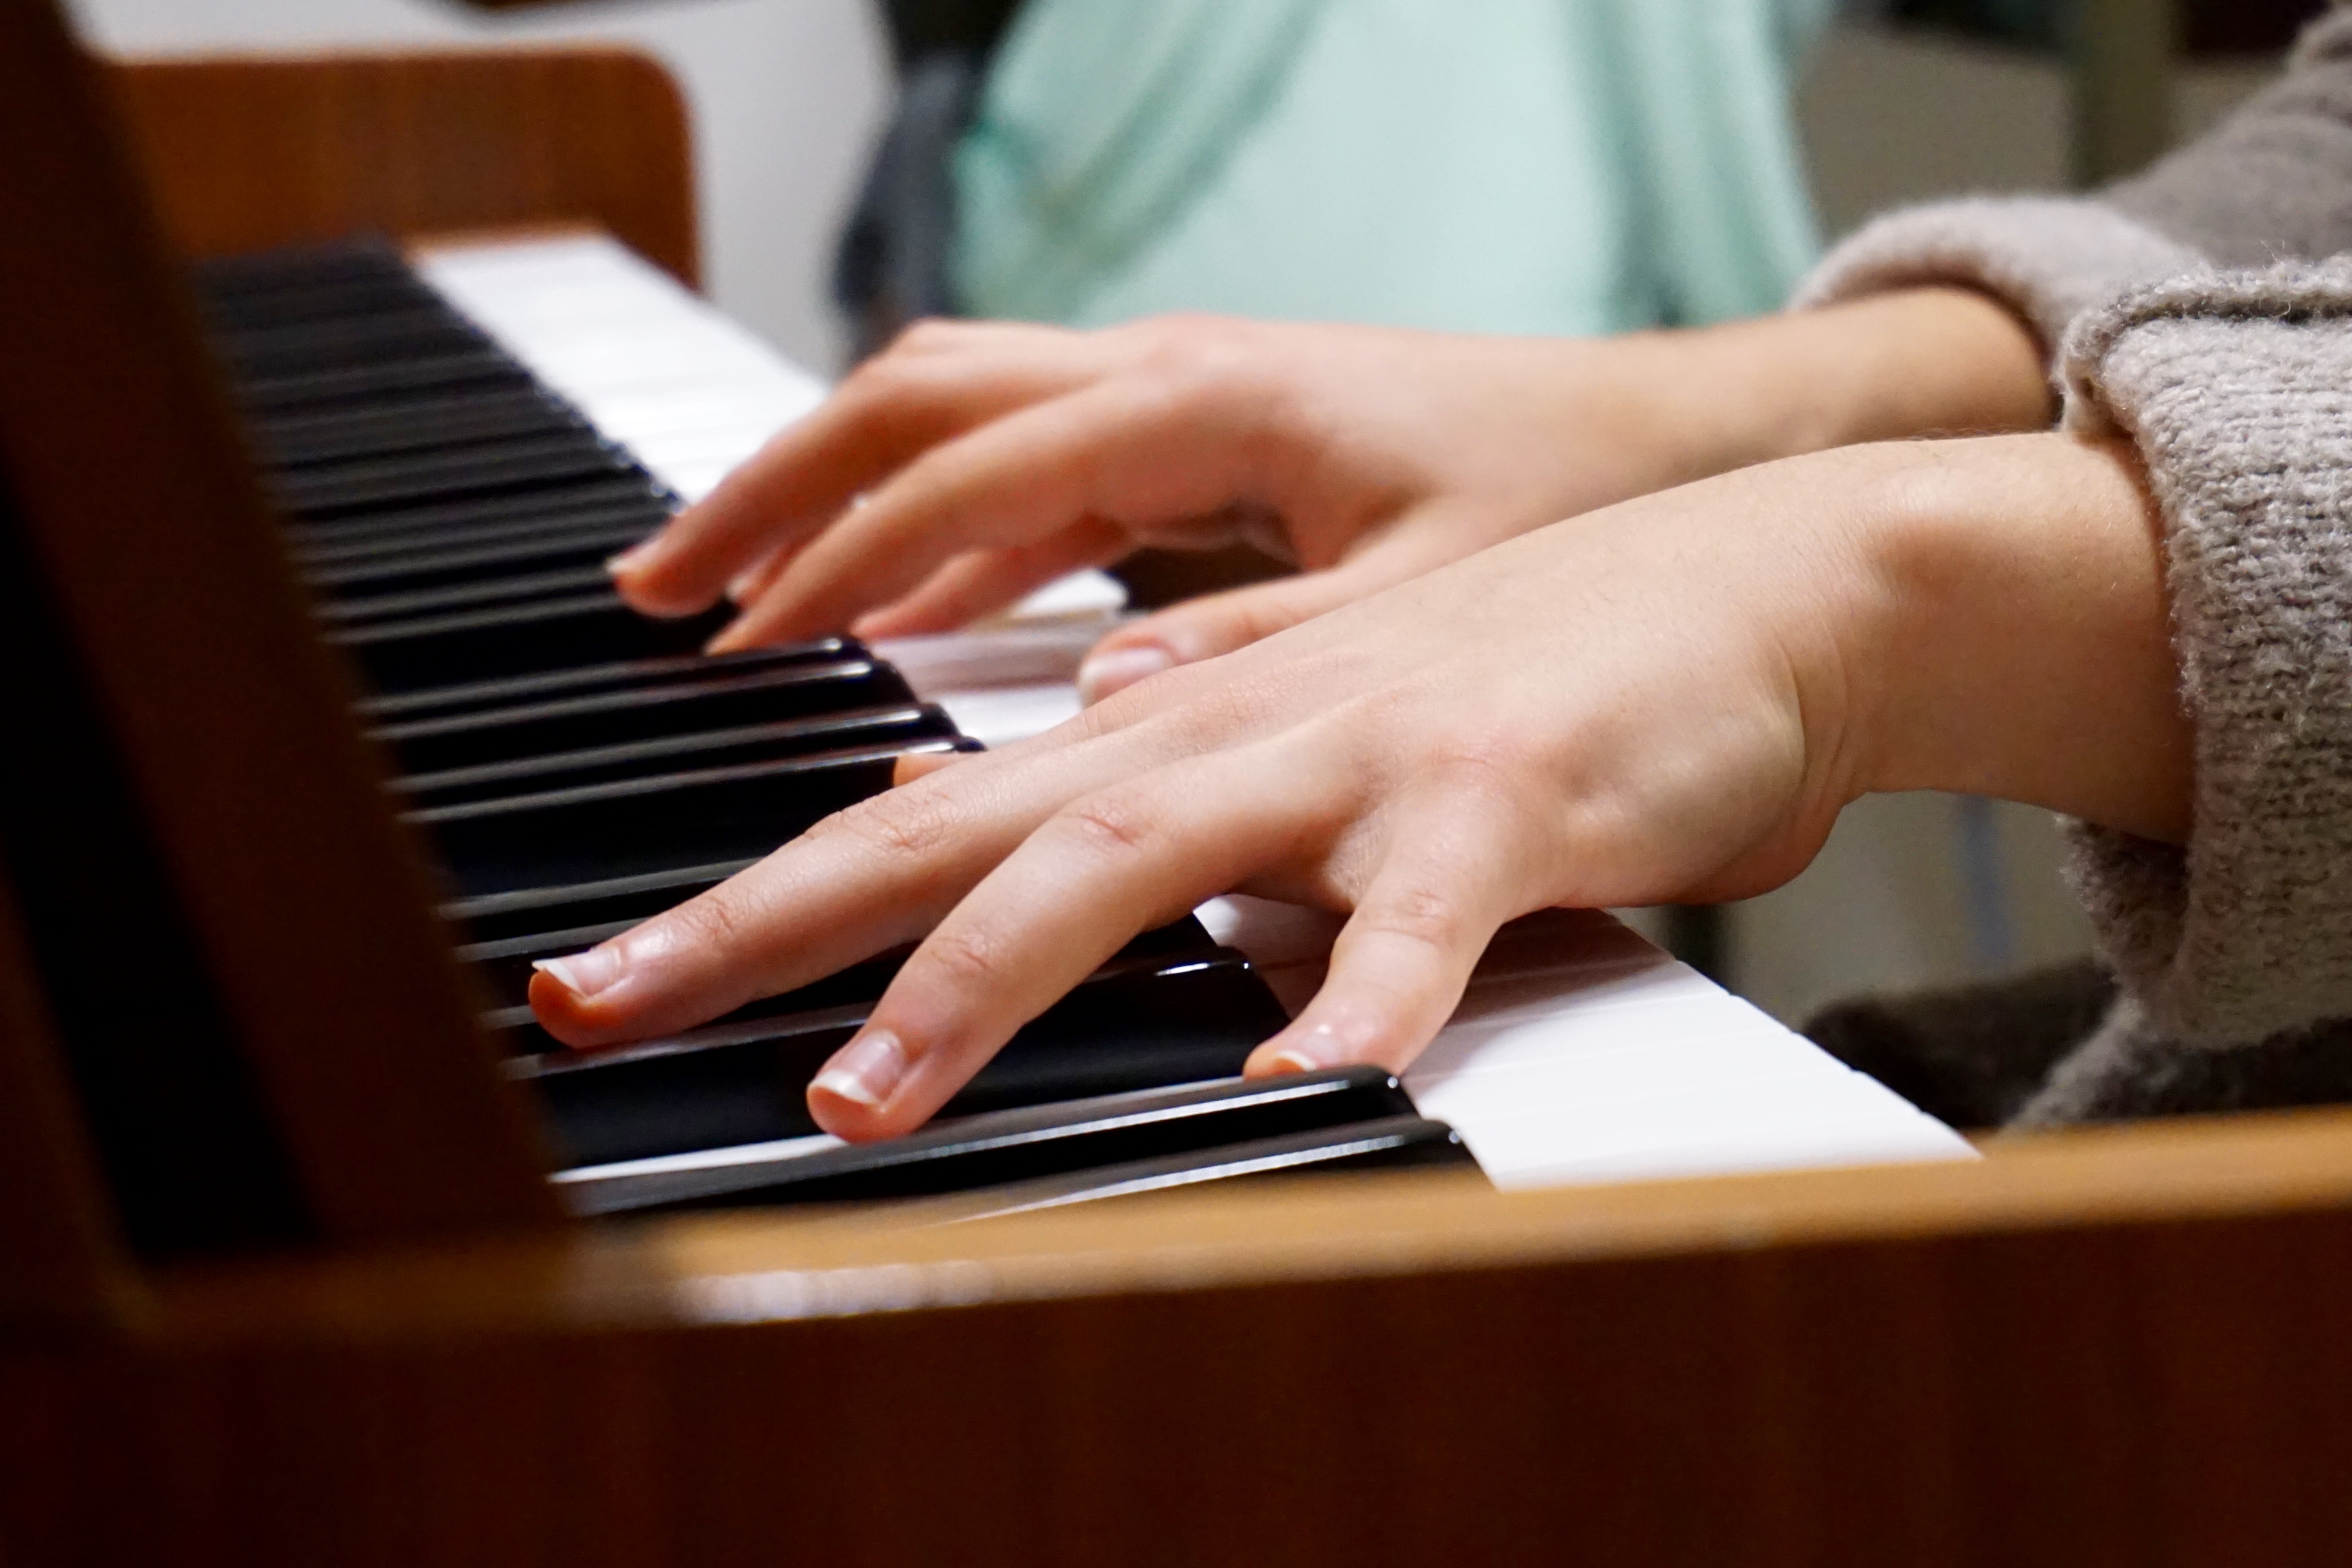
x=2009, y=631
x=1907, y=363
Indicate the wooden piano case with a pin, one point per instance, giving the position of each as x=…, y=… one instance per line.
x=376, y=1340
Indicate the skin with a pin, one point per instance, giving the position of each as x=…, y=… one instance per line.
x=974, y=462
x=1667, y=698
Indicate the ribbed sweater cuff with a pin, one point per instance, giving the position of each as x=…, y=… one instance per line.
x=2047, y=258
x=2237, y=389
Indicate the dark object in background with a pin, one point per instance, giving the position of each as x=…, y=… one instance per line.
x=891, y=268
x=1970, y=1055
x=892, y=265
x=2208, y=27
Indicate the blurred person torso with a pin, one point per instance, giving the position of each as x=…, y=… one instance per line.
x=1571, y=167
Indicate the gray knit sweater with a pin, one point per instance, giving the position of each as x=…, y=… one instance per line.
x=2193, y=311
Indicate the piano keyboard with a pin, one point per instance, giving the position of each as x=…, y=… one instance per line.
x=578, y=768
x=1579, y=1054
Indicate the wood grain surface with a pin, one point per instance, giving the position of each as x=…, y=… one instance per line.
x=2107, y=1349
x=228, y=722
x=242, y=153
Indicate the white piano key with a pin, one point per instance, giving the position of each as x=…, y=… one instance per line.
x=1001, y=715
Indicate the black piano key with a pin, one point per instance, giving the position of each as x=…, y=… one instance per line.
x=547, y=636
x=328, y=490
x=416, y=571
x=719, y=697
x=1135, y=1029
x=408, y=424
x=453, y=525
x=236, y=311
x=867, y=728
x=643, y=824
x=506, y=975
x=522, y=913
x=438, y=702
x=1392, y=1143
x=747, y=1082
x=504, y=964
x=341, y=385
x=262, y=350
x=481, y=592
x=357, y=260
x=1006, y=1147
x=848, y=992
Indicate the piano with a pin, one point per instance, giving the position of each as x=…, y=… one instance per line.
x=285, y=1278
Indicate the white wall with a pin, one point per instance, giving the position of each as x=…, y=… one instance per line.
x=785, y=96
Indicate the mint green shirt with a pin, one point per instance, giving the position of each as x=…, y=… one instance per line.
x=1556, y=166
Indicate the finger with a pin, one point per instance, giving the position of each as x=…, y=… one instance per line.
x=1121, y=450
x=913, y=765
x=1400, y=964
x=1114, y=862
x=752, y=581
x=1216, y=624
x=972, y=586
x=888, y=411
x=875, y=876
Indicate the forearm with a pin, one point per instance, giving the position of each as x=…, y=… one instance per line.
x=1930, y=360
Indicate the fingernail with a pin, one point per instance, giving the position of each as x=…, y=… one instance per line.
x=635, y=557
x=1319, y=1050
x=584, y=973
x=1116, y=669
x=865, y=1070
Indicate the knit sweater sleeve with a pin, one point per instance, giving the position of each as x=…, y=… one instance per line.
x=2273, y=182
x=2236, y=388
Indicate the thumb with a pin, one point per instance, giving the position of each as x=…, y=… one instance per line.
x=1215, y=624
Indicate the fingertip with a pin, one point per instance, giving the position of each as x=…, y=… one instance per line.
x=563, y=1011
x=850, y=1095
x=1275, y=1060
x=1111, y=671
x=641, y=589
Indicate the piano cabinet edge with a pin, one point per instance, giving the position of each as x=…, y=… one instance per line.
x=749, y=1265
x=2004, y=1363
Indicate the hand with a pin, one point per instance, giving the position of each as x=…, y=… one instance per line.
x=1668, y=701
x=974, y=462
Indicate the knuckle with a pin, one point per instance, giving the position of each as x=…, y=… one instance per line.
x=713, y=921
x=1495, y=764
x=908, y=823
x=965, y=959
x=1123, y=822
x=1418, y=914
x=1192, y=352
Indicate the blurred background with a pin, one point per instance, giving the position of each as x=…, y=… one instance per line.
x=1819, y=115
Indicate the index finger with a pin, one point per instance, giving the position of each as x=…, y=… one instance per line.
x=887, y=413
